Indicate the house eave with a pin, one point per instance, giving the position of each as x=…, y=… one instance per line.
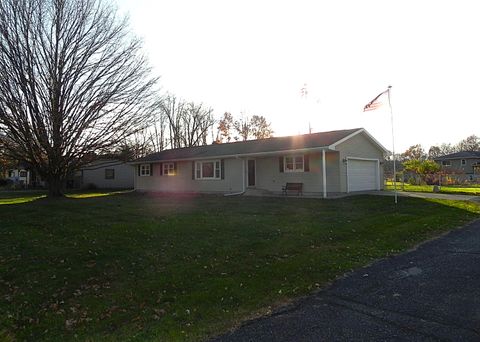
x=240, y=155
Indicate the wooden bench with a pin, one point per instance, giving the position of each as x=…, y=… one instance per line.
x=298, y=187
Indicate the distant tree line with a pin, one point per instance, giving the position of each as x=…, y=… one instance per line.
x=471, y=143
x=180, y=123
x=416, y=159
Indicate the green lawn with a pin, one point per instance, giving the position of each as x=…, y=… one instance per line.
x=153, y=268
x=445, y=189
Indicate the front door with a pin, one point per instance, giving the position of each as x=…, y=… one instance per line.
x=251, y=172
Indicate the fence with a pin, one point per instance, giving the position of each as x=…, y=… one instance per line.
x=433, y=179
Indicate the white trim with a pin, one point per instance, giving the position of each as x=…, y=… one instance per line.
x=361, y=130
x=168, y=169
x=294, y=170
x=364, y=159
x=214, y=161
x=144, y=174
x=324, y=174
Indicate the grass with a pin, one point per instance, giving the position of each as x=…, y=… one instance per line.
x=153, y=268
x=445, y=189
x=23, y=196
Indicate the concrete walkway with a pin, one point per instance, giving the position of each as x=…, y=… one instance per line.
x=427, y=195
x=429, y=294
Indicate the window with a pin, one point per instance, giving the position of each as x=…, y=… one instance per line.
x=446, y=162
x=168, y=169
x=464, y=162
x=294, y=163
x=23, y=174
x=145, y=170
x=11, y=174
x=207, y=170
x=476, y=169
x=109, y=173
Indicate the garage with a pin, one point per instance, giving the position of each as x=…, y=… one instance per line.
x=362, y=174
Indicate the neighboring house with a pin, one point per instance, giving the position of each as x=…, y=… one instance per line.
x=106, y=174
x=329, y=162
x=465, y=161
x=24, y=176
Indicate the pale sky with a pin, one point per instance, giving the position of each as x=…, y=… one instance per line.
x=254, y=56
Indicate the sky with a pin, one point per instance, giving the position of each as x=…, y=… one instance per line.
x=253, y=57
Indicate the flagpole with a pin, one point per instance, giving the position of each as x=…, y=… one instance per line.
x=393, y=149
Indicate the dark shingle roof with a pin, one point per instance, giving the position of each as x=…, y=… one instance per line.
x=295, y=142
x=460, y=155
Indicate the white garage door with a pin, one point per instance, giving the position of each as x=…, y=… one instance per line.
x=362, y=175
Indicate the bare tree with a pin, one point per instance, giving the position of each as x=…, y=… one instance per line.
x=188, y=123
x=72, y=82
x=173, y=109
x=158, y=132
x=196, y=121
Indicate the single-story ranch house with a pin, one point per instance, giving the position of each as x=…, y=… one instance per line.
x=328, y=162
x=105, y=174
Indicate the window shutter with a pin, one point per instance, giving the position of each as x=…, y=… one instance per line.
x=138, y=169
x=306, y=163
x=280, y=163
x=151, y=169
x=193, y=170
x=222, y=169
x=161, y=169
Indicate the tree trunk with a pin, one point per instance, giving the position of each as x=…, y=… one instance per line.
x=55, y=187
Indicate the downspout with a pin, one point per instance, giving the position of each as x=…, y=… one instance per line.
x=243, y=182
x=324, y=174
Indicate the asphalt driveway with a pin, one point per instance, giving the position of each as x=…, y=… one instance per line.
x=429, y=294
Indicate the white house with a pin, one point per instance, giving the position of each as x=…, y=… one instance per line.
x=327, y=162
x=106, y=174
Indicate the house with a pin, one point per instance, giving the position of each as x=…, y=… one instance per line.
x=328, y=162
x=22, y=175
x=466, y=161
x=106, y=174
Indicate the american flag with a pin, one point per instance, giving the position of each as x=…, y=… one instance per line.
x=376, y=102
x=304, y=91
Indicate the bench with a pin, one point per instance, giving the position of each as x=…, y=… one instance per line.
x=298, y=187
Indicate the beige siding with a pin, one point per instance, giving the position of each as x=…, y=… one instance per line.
x=96, y=175
x=183, y=182
x=270, y=178
x=359, y=146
